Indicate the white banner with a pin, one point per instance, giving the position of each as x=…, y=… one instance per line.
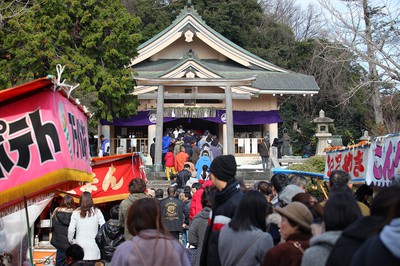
x=13, y=227
x=375, y=164
x=353, y=161
x=384, y=161
x=254, y=146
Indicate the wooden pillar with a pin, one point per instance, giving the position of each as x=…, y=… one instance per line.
x=159, y=129
x=229, y=120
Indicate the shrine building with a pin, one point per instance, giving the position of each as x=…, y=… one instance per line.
x=192, y=76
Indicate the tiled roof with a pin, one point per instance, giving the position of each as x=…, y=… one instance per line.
x=265, y=80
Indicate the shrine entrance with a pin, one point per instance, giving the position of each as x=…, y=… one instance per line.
x=197, y=124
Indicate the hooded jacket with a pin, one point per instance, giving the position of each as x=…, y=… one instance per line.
x=110, y=235
x=195, y=206
x=123, y=209
x=320, y=248
x=381, y=250
x=150, y=248
x=60, y=221
x=197, y=231
x=203, y=160
x=166, y=141
x=352, y=238
x=260, y=242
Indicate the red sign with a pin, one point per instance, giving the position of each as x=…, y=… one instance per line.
x=111, y=177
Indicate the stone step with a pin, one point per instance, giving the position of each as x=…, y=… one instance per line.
x=161, y=182
x=240, y=174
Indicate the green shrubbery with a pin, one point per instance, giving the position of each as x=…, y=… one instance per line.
x=314, y=164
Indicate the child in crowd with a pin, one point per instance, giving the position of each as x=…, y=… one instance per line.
x=110, y=235
x=169, y=163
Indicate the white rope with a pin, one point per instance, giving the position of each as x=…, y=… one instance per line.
x=58, y=83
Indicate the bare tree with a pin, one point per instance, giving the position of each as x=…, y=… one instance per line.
x=371, y=33
x=306, y=24
x=10, y=9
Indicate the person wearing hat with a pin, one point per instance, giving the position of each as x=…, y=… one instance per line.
x=225, y=200
x=295, y=230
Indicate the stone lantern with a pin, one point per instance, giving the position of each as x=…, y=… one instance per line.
x=323, y=135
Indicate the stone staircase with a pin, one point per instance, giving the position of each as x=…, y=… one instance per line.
x=249, y=169
x=249, y=176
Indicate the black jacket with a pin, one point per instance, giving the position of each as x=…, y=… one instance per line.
x=110, y=235
x=60, y=222
x=352, y=238
x=152, y=150
x=172, y=213
x=223, y=208
x=182, y=178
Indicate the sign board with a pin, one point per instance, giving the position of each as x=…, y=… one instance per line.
x=384, y=161
x=43, y=141
x=375, y=163
x=111, y=177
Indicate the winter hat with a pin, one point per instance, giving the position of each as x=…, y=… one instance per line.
x=224, y=167
x=298, y=213
x=289, y=192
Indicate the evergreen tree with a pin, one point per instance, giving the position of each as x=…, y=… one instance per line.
x=93, y=39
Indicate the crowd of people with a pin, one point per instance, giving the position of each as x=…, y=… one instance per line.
x=217, y=220
x=180, y=147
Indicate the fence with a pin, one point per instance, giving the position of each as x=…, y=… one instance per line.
x=243, y=146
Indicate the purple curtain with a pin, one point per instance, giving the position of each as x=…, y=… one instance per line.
x=145, y=118
x=142, y=118
x=248, y=117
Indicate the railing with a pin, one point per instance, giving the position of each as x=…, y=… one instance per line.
x=127, y=145
x=243, y=146
x=247, y=146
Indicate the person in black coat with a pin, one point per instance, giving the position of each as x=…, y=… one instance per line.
x=153, y=151
x=183, y=176
x=110, y=235
x=358, y=232
x=60, y=221
x=224, y=202
x=383, y=249
x=173, y=212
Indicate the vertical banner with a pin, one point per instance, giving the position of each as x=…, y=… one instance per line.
x=247, y=147
x=254, y=146
x=384, y=161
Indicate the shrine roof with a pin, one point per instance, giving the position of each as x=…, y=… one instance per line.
x=275, y=82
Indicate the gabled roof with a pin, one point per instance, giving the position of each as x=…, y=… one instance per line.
x=189, y=19
x=179, y=70
x=266, y=82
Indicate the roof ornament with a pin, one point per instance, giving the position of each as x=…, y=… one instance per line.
x=189, y=3
x=189, y=36
x=57, y=83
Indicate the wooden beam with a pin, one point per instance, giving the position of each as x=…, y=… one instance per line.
x=229, y=120
x=191, y=82
x=197, y=96
x=159, y=130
